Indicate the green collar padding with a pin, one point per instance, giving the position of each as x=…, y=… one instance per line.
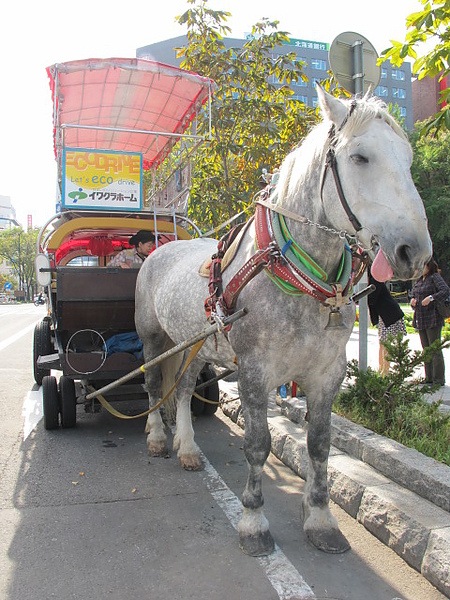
x=294, y=253
x=298, y=253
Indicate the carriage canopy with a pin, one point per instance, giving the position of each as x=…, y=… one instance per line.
x=124, y=104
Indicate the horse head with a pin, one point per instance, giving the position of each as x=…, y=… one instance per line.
x=382, y=208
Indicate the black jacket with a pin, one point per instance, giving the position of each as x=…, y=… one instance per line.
x=382, y=304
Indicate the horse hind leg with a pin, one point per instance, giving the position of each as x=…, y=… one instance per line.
x=156, y=438
x=183, y=443
x=156, y=435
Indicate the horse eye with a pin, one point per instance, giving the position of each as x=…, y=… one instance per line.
x=359, y=159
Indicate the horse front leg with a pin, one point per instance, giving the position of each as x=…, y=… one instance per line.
x=319, y=524
x=255, y=538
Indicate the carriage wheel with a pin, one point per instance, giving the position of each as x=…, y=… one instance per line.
x=42, y=345
x=68, y=402
x=50, y=402
x=209, y=393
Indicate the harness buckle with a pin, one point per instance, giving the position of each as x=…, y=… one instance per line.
x=338, y=299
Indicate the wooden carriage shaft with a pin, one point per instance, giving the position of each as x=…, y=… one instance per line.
x=212, y=329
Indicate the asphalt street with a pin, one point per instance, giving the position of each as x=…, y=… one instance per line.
x=87, y=514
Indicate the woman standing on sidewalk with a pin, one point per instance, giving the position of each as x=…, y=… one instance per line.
x=388, y=316
x=427, y=320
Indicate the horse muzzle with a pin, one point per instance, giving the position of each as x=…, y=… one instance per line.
x=405, y=262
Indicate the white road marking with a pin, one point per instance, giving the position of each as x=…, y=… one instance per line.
x=284, y=577
x=32, y=411
x=32, y=404
x=17, y=336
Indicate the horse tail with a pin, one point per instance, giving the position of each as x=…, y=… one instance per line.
x=169, y=370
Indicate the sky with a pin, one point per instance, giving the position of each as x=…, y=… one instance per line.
x=35, y=35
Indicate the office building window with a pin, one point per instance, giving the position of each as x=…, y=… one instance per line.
x=303, y=99
x=301, y=83
x=383, y=73
x=381, y=91
x=398, y=74
x=315, y=102
x=316, y=63
x=402, y=111
x=398, y=93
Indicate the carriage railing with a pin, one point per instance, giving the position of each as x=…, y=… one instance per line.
x=168, y=186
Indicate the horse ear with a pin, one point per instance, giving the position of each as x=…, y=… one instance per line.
x=332, y=108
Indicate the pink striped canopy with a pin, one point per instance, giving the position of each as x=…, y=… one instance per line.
x=117, y=94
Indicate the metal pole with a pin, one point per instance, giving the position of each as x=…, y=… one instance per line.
x=126, y=130
x=214, y=379
x=358, y=78
x=363, y=325
x=178, y=348
x=358, y=67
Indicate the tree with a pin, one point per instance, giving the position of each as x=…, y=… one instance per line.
x=4, y=279
x=255, y=121
x=431, y=174
x=429, y=25
x=18, y=248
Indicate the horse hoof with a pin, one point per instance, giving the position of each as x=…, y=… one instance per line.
x=257, y=544
x=191, y=463
x=158, y=449
x=331, y=541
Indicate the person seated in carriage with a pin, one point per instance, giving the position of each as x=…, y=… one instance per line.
x=132, y=258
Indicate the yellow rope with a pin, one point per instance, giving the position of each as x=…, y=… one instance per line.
x=204, y=399
x=192, y=354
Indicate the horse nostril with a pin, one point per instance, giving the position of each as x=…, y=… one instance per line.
x=404, y=253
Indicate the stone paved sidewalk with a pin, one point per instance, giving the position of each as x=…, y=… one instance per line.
x=399, y=495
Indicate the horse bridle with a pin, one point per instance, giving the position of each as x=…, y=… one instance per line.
x=331, y=163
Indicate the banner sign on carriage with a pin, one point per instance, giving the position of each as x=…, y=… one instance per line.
x=99, y=180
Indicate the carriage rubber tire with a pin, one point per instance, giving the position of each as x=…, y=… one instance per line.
x=68, y=401
x=209, y=393
x=42, y=345
x=50, y=399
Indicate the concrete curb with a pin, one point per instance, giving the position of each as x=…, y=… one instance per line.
x=399, y=495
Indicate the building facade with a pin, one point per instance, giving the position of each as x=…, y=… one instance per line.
x=7, y=213
x=426, y=96
x=394, y=86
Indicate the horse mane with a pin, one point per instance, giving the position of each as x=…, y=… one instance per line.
x=367, y=109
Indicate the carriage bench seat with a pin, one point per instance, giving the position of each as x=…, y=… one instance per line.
x=95, y=298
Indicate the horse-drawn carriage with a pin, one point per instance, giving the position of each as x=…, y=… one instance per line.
x=348, y=185
x=114, y=120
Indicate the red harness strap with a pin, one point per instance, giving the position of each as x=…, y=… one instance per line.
x=280, y=266
x=261, y=259
x=222, y=302
x=215, y=299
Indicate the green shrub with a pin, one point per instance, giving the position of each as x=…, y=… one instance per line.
x=395, y=405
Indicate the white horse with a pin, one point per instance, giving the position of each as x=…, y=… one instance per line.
x=349, y=179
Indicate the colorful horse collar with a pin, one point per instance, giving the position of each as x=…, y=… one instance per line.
x=292, y=269
x=285, y=263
